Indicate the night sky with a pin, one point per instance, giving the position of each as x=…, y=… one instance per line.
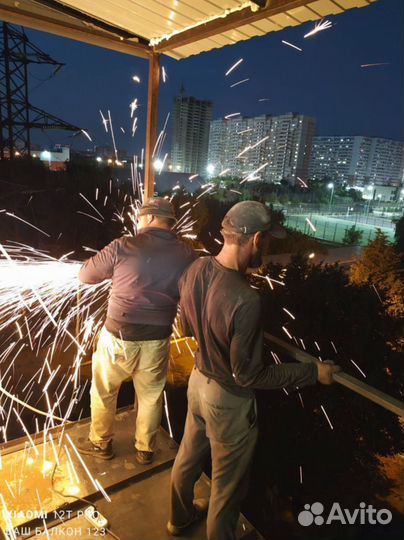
x=324, y=81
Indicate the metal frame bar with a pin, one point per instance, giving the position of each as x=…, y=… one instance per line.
x=72, y=31
x=225, y=24
x=152, y=123
x=357, y=386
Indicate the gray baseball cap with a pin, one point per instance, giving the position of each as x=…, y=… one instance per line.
x=250, y=217
x=159, y=207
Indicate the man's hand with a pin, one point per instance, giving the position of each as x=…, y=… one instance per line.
x=326, y=370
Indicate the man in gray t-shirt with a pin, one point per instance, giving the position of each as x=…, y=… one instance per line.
x=222, y=312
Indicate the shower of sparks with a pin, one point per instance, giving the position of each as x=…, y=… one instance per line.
x=231, y=115
x=239, y=82
x=291, y=45
x=375, y=65
x=233, y=67
x=358, y=368
x=312, y=227
x=326, y=415
x=319, y=27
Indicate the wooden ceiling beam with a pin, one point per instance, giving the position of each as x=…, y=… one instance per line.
x=69, y=30
x=224, y=24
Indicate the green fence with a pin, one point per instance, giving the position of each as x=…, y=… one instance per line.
x=333, y=229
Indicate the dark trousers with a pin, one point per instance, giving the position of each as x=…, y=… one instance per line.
x=224, y=425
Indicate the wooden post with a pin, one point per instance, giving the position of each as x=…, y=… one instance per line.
x=152, y=123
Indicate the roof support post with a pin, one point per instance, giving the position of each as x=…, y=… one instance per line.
x=152, y=122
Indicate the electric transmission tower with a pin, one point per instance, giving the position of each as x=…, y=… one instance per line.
x=17, y=115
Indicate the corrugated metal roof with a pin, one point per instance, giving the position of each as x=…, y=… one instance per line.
x=159, y=21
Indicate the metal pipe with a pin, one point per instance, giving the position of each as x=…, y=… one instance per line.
x=357, y=386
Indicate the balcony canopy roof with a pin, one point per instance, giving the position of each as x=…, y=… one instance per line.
x=177, y=28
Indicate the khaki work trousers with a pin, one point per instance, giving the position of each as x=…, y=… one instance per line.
x=116, y=360
x=223, y=425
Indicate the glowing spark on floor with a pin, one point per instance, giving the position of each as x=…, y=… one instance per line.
x=239, y=82
x=326, y=415
x=233, y=67
x=319, y=27
x=358, y=368
x=291, y=45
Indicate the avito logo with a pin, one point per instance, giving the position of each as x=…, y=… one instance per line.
x=366, y=514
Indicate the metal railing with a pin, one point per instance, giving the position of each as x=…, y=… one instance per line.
x=359, y=387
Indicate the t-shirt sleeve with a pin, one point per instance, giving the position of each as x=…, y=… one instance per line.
x=101, y=266
x=246, y=355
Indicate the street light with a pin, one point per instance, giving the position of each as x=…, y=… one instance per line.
x=330, y=186
x=210, y=169
x=370, y=198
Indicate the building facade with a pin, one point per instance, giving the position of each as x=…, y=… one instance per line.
x=189, y=150
x=357, y=160
x=268, y=148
